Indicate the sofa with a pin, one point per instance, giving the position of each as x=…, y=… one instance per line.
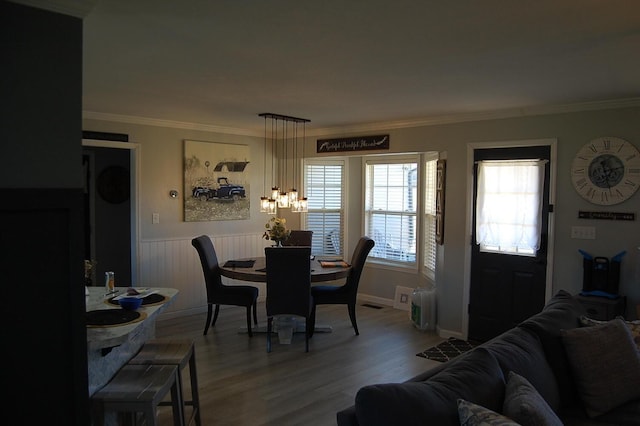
x=558, y=367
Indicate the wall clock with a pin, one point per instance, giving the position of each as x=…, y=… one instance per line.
x=606, y=171
x=113, y=184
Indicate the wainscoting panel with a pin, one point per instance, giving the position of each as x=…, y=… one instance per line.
x=175, y=263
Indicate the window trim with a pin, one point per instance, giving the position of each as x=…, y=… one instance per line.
x=426, y=272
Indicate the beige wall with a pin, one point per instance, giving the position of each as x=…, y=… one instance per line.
x=161, y=170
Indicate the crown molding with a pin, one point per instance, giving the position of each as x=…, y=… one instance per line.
x=480, y=116
x=77, y=8
x=91, y=115
x=383, y=125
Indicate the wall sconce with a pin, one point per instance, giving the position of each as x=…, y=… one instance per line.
x=173, y=193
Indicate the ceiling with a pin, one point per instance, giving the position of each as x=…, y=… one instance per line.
x=343, y=64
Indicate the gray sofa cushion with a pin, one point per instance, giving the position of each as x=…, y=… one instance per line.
x=520, y=351
x=477, y=378
x=525, y=405
x=625, y=415
x=606, y=365
x=562, y=312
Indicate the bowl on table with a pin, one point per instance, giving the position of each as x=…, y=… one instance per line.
x=130, y=303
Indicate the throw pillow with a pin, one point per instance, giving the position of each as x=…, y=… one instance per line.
x=633, y=326
x=476, y=415
x=606, y=365
x=525, y=405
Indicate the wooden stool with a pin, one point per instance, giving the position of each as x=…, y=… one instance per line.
x=176, y=352
x=140, y=389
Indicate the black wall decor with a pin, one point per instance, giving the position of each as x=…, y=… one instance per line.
x=606, y=215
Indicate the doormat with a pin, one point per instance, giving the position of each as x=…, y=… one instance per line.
x=369, y=305
x=448, y=349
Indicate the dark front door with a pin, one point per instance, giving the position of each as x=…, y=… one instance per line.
x=506, y=288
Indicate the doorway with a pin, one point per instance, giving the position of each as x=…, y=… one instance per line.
x=506, y=287
x=111, y=210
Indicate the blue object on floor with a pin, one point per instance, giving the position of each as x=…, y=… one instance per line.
x=599, y=293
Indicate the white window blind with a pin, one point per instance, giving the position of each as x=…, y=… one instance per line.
x=429, y=256
x=324, y=190
x=509, y=205
x=391, y=209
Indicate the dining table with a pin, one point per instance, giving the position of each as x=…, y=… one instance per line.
x=254, y=269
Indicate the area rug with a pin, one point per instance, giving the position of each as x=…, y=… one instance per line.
x=448, y=349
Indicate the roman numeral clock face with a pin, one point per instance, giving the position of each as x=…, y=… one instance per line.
x=606, y=171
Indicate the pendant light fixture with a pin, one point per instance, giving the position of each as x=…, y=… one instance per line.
x=300, y=205
x=280, y=149
x=264, y=200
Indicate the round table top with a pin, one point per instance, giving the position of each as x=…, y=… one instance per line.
x=257, y=273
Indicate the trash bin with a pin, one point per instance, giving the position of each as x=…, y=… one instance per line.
x=423, y=308
x=285, y=325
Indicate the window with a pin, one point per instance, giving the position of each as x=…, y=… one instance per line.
x=429, y=256
x=509, y=206
x=324, y=186
x=391, y=204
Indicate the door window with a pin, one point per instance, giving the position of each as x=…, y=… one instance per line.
x=509, y=206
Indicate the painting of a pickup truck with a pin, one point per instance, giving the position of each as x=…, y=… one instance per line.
x=217, y=183
x=224, y=191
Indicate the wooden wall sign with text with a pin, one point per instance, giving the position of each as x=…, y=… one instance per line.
x=359, y=143
x=606, y=215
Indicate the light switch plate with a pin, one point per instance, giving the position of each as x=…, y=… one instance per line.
x=583, y=232
x=155, y=218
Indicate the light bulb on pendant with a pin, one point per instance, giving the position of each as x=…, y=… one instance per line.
x=264, y=204
x=303, y=205
x=272, y=207
x=283, y=200
x=293, y=196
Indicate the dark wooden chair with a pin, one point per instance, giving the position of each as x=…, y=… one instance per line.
x=218, y=293
x=345, y=294
x=299, y=238
x=289, y=286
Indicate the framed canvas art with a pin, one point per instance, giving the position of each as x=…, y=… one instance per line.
x=216, y=182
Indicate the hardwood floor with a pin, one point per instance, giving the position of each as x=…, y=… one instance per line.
x=241, y=384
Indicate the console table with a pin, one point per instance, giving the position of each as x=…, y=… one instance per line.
x=603, y=308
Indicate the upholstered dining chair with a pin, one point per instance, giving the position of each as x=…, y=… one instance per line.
x=345, y=294
x=218, y=293
x=298, y=237
x=288, y=286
